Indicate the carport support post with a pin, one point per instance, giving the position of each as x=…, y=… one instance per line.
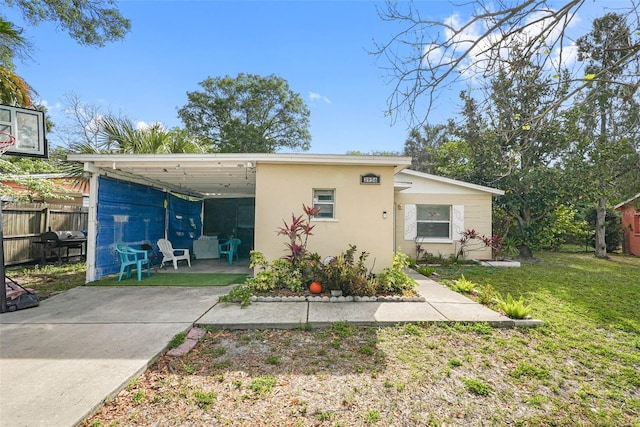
x=3, y=284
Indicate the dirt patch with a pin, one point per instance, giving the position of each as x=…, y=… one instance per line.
x=412, y=375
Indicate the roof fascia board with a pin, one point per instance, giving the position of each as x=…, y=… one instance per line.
x=454, y=182
x=619, y=205
x=232, y=159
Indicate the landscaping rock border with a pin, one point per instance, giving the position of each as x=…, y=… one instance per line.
x=326, y=298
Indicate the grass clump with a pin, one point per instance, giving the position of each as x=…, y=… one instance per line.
x=263, y=384
x=273, y=359
x=344, y=329
x=425, y=270
x=515, y=309
x=373, y=416
x=177, y=340
x=204, y=399
x=477, y=387
x=526, y=370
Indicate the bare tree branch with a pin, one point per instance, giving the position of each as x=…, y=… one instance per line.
x=429, y=55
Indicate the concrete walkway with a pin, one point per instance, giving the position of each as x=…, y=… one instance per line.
x=59, y=361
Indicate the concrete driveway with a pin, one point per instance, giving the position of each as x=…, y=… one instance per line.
x=60, y=360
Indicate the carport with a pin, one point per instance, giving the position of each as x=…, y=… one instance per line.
x=140, y=198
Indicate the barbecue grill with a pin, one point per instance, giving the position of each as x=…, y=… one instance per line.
x=59, y=241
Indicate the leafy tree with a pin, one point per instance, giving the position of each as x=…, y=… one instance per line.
x=90, y=22
x=613, y=228
x=609, y=115
x=13, y=89
x=566, y=227
x=507, y=143
x=422, y=144
x=89, y=130
x=248, y=113
x=121, y=135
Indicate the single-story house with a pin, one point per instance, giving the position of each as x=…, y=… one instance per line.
x=373, y=202
x=630, y=210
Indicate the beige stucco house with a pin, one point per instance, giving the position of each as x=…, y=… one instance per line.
x=433, y=212
x=373, y=202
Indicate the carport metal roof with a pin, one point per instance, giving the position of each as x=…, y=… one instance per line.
x=212, y=175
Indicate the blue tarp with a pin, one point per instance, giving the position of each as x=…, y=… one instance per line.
x=185, y=221
x=127, y=213
x=134, y=214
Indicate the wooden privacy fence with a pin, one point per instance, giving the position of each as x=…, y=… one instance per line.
x=23, y=223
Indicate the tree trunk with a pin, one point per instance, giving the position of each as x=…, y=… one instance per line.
x=525, y=253
x=601, y=244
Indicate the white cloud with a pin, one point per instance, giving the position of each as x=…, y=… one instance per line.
x=314, y=96
x=50, y=107
x=494, y=49
x=142, y=125
x=94, y=125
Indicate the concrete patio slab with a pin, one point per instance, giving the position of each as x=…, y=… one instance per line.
x=372, y=313
x=121, y=304
x=392, y=313
x=470, y=312
x=259, y=315
x=435, y=292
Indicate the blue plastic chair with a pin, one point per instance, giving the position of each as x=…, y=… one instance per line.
x=230, y=249
x=129, y=258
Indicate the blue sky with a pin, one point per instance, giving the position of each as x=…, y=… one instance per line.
x=319, y=47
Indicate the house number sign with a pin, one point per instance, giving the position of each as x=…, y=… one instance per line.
x=370, y=178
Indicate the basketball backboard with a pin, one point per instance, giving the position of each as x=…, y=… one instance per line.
x=28, y=128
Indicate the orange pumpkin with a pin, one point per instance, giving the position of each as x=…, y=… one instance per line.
x=315, y=288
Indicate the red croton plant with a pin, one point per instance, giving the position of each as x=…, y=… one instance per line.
x=298, y=232
x=470, y=236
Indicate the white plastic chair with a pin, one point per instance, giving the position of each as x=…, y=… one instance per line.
x=169, y=254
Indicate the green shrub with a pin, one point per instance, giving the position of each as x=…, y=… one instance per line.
x=425, y=270
x=344, y=273
x=463, y=285
x=278, y=274
x=393, y=279
x=512, y=308
x=241, y=294
x=487, y=295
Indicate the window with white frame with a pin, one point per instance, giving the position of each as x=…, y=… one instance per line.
x=433, y=221
x=324, y=200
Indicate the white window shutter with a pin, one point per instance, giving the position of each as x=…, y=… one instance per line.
x=458, y=221
x=410, y=225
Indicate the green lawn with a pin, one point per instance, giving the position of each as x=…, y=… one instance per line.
x=591, y=337
x=570, y=289
x=49, y=280
x=175, y=279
